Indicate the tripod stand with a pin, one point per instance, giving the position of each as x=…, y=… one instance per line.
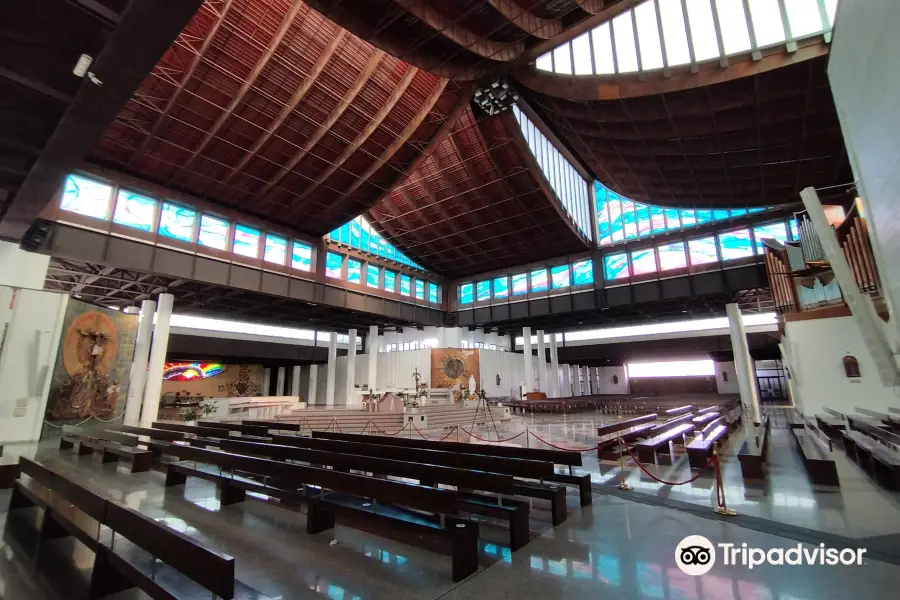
x=483, y=406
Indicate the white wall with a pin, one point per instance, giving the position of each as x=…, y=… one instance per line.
x=730, y=386
x=865, y=83
x=607, y=386
x=33, y=327
x=817, y=347
x=19, y=268
x=510, y=367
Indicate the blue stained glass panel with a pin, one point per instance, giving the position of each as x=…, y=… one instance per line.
x=603, y=229
x=134, y=210
x=483, y=291
x=560, y=277
x=355, y=233
x=372, y=276
x=615, y=266
x=519, y=284
x=333, y=265
x=466, y=292
x=213, y=232
x=501, y=287
x=688, y=218
x=704, y=216
x=721, y=215
x=433, y=293
x=673, y=219
x=86, y=197
x=629, y=224
x=756, y=210
x=405, y=284
x=363, y=239
x=335, y=235
x=177, y=222
x=671, y=256
x=616, y=227
x=643, y=261
x=776, y=231
x=420, y=289
x=583, y=272
x=345, y=234
x=703, y=251
x=642, y=212
x=657, y=220
x=354, y=270
x=539, y=280
x=246, y=241
x=795, y=231
x=275, y=249
x=390, y=281
x=735, y=244
x=738, y=212
x=301, y=257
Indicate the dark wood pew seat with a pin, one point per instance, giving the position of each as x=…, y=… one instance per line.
x=662, y=442
x=882, y=463
x=112, y=446
x=753, y=452
x=816, y=457
x=701, y=447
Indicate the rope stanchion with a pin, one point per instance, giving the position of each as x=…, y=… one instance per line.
x=623, y=485
x=338, y=425
x=329, y=425
x=383, y=432
x=722, y=507
x=655, y=478
x=463, y=429
x=538, y=438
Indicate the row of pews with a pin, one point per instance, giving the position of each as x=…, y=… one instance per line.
x=391, y=486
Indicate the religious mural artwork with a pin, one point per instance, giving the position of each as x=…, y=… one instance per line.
x=243, y=386
x=452, y=368
x=189, y=371
x=90, y=378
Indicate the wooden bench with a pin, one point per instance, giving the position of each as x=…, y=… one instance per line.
x=612, y=449
x=241, y=428
x=816, y=457
x=388, y=508
x=517, y=467
x=180, y=567
x=112, y=446
x=678, y=411
x=627, y=424
x=164, y=435
x=566, y=458
x=752, y=454
x=274, y=425
x=701, y=447
x=192, y=429
x=831, y=423
x=874, y=450
x=662, y=442
x=886, y=420
x=703, y=419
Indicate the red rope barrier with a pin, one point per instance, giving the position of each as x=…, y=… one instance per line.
x=463, y=429
x=534, y=435
x=329, y=425
x=338, y=425
x=383, y=432
x=654, y=477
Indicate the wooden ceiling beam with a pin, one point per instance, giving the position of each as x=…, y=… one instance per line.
x=525, y=20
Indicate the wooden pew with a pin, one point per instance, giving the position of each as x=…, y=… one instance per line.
x=625, y=425
x=217, y=432
x=274, y=425
x=752, y=454
x=512, y=512
x=701, y=447
x=181, y=567
x=390, y=507
x=558, y=457
x=111, y=444
x=518, y=467
x=886, y=420
x=831, y=423
x=816, y=457
x=155, y=434
x=611, y=449
x=678, y=411
x=875, y=450
x=701, y=420
x=243, y=429
x=662, y=440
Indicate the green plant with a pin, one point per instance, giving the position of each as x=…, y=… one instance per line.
x=190, y=413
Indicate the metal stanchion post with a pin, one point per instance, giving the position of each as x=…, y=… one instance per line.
x=720, y=485
x=527, y=438
x=622, y=484
x=457, y=433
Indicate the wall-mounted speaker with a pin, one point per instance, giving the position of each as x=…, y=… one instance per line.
x=38, y=236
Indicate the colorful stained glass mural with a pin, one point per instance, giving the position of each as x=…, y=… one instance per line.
x=483, y=291
x=301, y=256
x=86, y=197
x=213, y=232
x=466, y=291
x=405, y=285
x=275, y=249
x=703, y=251
x=501, y=287
x=372, y=276
x=420, y=289
x=177, y=222
x=583, y=272
x=354, y=271
x=334, y=264
x=246, y=241
x=189, y=371
x=359, y=234
x=519, y=284
x=735, y=244
x=560, y=277
x=539, y=280
x=775, y=231
x=615, y=266
x=433, y=293
x=672, y=256
x=390, y=281
x=643, y=261
x=134, y=210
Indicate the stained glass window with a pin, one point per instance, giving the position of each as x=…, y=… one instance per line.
x=354, y=270
x=177, y=222
x=433, y=293
x=583, y=272
x=405, y=284
x=519, y=284
x=642, y=212
x=776, y=231
x=704, y=216
x=688, y=218
x=359, y=234
x=390, y=281
x=539, y=280
x=720, y=215
x=560, y=277
x=671, y=256
x=275, y=250
x=213, y=232
x=603, y=229
x=657, y=220
x=465, y=293
x=615, y=266
x=333, y=265
x=501, y=287
x=616, y=227
x=301, y=257
x=420, y=289
x=483, y=291
x=134, y=210
x=246, y=241
x=628, y=220
x=643, y=261
x=372, y=276
x=86, y=197
x=735, y=244
x=703, y=251
x=795, y=232
x=673, y=219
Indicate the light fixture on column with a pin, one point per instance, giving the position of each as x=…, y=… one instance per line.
x=495, y=97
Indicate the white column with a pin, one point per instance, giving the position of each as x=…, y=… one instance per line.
x=313, y=385
x=743, y=364
x=542, y=361
x=566, y=381
x=267, y=381
x=138, y=377
x=372, y=365
x=157, y=362
x=595, y=379
x=554, y=367
x=586, y=389
x=295, y=381
x=352, y=398
x=330, y=369
x=526, y=350
x=279, y=381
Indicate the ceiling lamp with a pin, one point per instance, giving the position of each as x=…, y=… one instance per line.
x=495, y=98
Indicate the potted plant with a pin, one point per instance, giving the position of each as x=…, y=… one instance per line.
x=191, y=413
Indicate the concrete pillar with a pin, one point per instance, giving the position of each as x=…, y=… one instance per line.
x=542, y=361
x=526, y=350
x=311, y=396
x=137, y=379
x=566, y=382
x=279, y=381
x=267, y=381
x=372, y=366
x=554, y=367
x=586, y=389
x=330, y=369
x=158, y=348
x=743, y=364
x=352, y=398
x=295, y=381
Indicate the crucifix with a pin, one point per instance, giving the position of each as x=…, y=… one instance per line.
x=417, y=375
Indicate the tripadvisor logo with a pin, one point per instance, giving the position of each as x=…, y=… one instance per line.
x=696, y=555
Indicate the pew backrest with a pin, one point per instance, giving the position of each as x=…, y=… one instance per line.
x=626, y=424
x=100, y=434
x=82, y=498
x=241, y=428
x=835, y=414
x=680, y=410
x=195, y=429
x=156, y=434
x=686, y=418
x=274, y=425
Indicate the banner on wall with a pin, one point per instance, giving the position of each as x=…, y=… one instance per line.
x=452, y=368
